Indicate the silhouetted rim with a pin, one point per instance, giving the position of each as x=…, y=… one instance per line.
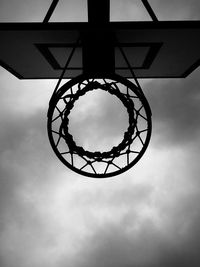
x=97, y=156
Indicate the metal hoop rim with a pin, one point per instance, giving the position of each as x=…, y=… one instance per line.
x=76, y=80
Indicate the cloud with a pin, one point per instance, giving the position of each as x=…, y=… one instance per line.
x=28, y=170
x=176, y=10
x=23, y=10
x=116, y=244
x=98, y=121
x=175, y=107
x=24, y=152
x=137, y=239
x=125, y=10
x=27, y=11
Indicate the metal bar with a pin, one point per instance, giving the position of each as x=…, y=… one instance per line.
x=65, y=67
x=129, y=66
x=50, y=11
x=98, y=52
x=98, y=11
x=150, y=10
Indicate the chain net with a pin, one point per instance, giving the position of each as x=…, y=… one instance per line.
x=119, y=158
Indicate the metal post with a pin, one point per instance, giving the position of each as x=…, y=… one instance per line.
x=98, y=41
x=98, y=11
x=149, y=10
x=50, y=11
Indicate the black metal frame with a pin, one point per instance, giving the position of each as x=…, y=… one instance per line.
x=33, y=28
x=153, y=49
x=98, y=11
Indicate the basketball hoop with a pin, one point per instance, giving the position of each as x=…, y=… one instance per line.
x=121, y=157
x=100, y=55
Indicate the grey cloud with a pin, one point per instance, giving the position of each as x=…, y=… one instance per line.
x=176, y=110
x=164, y=10
x=23, y=10
x=127, y=195
x=105, y=122
x=27, y=164
x=113, y=246
x=24, y=151
x=186, y=251
x=128, y=240
x=26, y=10
x=19, y=131
x=116, y=244
x=176, y=9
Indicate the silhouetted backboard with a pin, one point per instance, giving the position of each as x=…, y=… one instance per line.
x=153, y=49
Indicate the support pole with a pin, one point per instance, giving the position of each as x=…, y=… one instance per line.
x=98, y=11
x=98, y=41
x=50, y=11
x=149, y=10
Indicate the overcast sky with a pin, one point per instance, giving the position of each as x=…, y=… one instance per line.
x=52, y=217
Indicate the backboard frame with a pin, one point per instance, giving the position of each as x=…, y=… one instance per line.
x=145, y=29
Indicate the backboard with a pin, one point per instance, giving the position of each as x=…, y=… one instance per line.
x=161, y=49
